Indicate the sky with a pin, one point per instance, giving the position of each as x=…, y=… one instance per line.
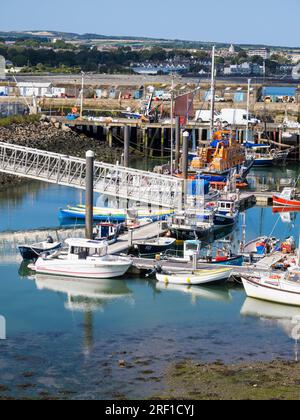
x=272, y=22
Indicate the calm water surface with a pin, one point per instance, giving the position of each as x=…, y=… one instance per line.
x=66, y=337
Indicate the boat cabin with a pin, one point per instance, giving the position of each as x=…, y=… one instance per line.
x=288, y=193
x=106, y=231
x=191, y=248
x=226, y=207
x=81, y=249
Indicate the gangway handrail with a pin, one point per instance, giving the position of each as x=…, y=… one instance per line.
x=113, y=180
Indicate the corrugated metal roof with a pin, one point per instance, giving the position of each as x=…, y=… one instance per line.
x=279, y=91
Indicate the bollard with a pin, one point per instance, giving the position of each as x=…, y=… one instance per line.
x=130, y=238
x=89, y=195
x=195, y=261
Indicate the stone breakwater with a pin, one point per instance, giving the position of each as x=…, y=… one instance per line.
x=45, y=135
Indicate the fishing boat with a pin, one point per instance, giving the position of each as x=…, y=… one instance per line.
x=264, y=156
x=278, y=288
x=197, y=277
x=192, y=249
x=226, y=214
x=113, y=215
x=192, y=224
x=259, y=248
x=108, y=232
x=85, y=259
x=34, y=251
x=288, y=198
x=154, y=246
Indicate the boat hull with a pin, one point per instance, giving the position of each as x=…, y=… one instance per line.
x=88, y=271
x=221, y=220
x=280, y=201
x=204, y=277
x=153, y=249
x=32, y=253
x=271, y=294
x=236, y=261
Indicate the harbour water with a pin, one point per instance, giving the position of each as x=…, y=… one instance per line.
x=115, y=338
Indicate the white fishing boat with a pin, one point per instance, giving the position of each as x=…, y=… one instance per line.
x=197, y=277
x=85, y=259
x=279, y=288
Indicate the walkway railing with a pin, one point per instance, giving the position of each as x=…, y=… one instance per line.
x=113, y=180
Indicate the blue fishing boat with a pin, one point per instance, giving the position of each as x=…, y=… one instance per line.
x=226, y=214
x=110, y=214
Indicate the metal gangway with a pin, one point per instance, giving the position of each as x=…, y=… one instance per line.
x=112, y=180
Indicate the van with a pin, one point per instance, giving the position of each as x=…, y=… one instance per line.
x=236, y=117
x=205, y=116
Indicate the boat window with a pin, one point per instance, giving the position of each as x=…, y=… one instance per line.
x=192, y=247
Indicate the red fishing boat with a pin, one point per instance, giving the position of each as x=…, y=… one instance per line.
x=287, y=198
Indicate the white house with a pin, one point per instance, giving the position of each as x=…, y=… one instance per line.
x=34, y=89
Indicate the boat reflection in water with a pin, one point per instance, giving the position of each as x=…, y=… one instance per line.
x=197, y=293
x=285, y=317
x=84, y=294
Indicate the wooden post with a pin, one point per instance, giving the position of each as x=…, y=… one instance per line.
x=89, y=195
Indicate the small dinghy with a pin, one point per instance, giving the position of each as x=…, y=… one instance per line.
x=198, y=277
x=259, y=248
x=155, y=246
x=34, y=251
x=278, y=288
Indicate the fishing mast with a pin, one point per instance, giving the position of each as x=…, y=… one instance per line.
x=213, y=90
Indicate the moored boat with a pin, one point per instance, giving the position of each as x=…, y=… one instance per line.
x=34, y=251
x=192, y=248
x=84, y=259
x=278, y=288
x=110, y=214
x=226, y=214
x=108, y=232
x=154, y=246
x=197, y=277
x=287, y=198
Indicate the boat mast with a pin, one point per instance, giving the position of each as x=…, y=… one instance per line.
x=172, y=120
x=248, y=110
x=82, y=94
x=212, y=89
